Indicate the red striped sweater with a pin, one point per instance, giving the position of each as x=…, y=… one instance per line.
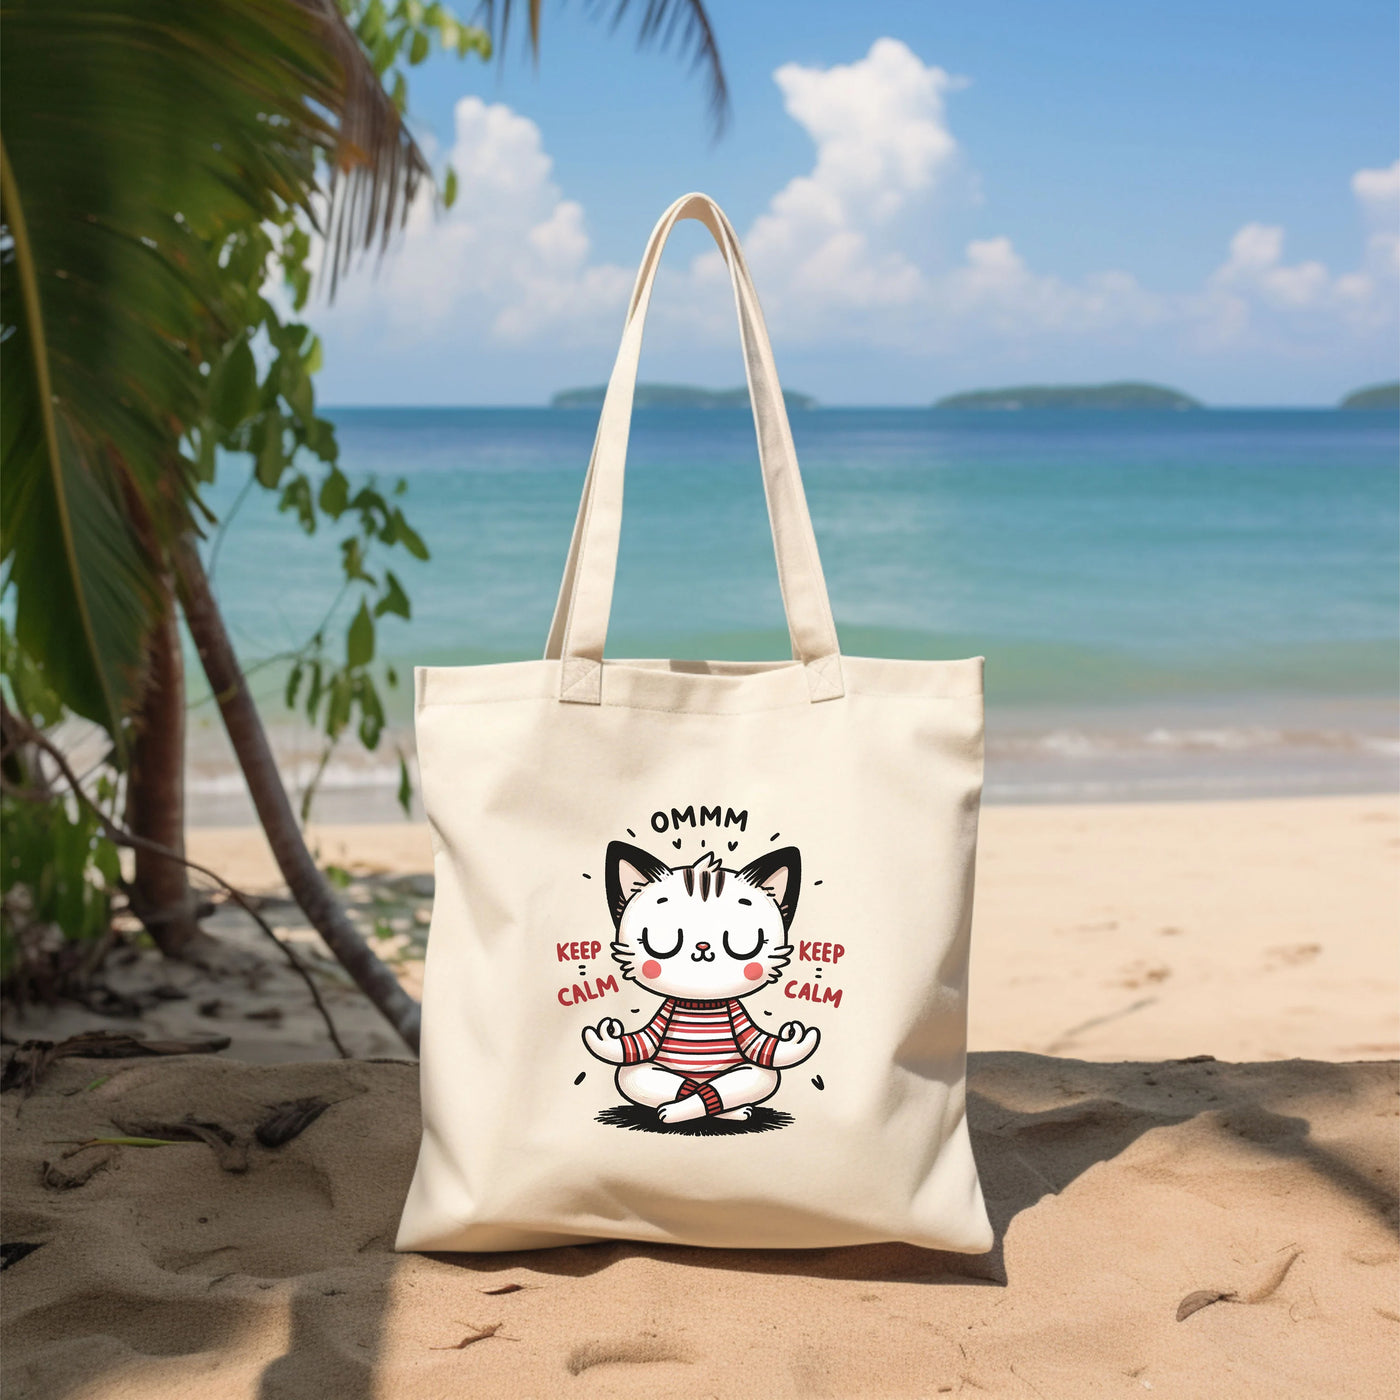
x=699, y=1039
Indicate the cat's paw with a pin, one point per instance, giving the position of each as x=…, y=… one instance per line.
x=682, y=1110
x=605, y=1040
x=796, y=1043
x=738, y=1115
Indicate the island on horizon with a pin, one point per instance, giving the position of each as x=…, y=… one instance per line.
x=1382, y=396
x=674, y=396
x=1128, y=395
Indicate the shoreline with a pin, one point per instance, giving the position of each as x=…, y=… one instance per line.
x=1250, y=930
x=1177, y=751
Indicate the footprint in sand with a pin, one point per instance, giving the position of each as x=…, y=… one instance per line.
x=621, y=1351
x=1292, y=954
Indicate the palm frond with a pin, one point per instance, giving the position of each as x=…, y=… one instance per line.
x=682, y=24
x=377, y=165
x=90, y=636
x=137, y=133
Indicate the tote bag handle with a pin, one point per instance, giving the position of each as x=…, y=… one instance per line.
x=580, y=627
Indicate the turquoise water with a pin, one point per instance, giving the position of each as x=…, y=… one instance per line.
x=1228, y=579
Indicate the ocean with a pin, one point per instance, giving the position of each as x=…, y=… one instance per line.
x=1171, y=605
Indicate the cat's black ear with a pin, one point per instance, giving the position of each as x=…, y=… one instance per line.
x=778, y=874
x=628, y=868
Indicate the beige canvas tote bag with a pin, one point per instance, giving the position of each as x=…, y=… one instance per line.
x=697, y=969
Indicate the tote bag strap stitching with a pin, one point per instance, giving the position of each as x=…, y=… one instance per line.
x=589, y=571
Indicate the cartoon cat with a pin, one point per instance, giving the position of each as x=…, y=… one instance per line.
x=701, y=937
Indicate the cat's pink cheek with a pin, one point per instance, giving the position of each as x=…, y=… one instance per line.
x=753, y=971
x=651, y=968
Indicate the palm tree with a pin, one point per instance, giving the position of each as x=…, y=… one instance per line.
x=136, y=138
x=140, y=142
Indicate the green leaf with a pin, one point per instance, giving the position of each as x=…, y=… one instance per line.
x=293, y=685
x=374, y=512
x=296, y=388
x=314, y=692
x=470, y=37
x=418, y=50
x=83, y=587
x=353, y=560
x=371, y=24
x=405, y=786
x=320, y=439
x=206, y=462
x=272, y=457
x=314, y=357
x=395, y=600
x=296, y=497
x=338, y=876
x=371, y=713
x=338, y=707
x=449, y=187
x=407, y=536
x=30, y=692
x=359, y=639
x=233, y=386
x=399, y=95
x=299, y=279
x=335, y=493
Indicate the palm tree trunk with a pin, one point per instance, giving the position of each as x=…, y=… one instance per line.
x=308, y=886
x=160, y=893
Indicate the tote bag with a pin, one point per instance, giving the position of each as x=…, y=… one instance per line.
x=697, y=968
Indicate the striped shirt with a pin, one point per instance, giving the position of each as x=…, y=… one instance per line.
x=699, y=1039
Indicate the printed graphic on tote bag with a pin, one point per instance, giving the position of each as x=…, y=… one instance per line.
x=701, y=937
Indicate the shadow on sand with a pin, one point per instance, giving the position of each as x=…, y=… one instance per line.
x=304, y=1239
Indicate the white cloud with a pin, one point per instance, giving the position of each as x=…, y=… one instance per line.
x=1378, y=193
x=510, y=258
x=1258, y=299
x=1256, y=267
x=882, y=142
x=995, y=291
x=835, y=251
x=846, y=253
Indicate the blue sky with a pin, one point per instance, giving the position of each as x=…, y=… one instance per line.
x=933, y=198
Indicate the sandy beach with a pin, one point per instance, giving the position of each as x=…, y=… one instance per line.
x=1249, y=930
x=1132, y=1178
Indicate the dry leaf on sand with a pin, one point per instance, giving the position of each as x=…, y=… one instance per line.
x=480, y=1335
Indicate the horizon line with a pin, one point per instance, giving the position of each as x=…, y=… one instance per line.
x=881, y=407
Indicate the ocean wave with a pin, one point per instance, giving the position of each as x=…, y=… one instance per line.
x=1223, y=739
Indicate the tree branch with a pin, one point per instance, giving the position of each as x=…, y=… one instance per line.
x=120, y=836
x=307, y=884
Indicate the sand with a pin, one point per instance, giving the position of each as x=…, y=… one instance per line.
x=1246, y=930
x=1118, y=1190
x=1112, y=943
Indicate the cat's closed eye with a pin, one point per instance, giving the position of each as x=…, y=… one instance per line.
x=741, y=939
x=658, y=949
